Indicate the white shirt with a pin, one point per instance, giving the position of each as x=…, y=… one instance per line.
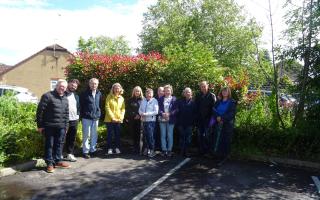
x=166, y=103
x=72, y=107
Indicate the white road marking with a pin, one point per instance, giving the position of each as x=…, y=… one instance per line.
x=159, y=181
x=317, y=182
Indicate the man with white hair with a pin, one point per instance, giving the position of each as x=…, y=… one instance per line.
x=90, y=113
x=52, y=120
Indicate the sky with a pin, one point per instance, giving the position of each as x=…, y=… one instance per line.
x=28, y=26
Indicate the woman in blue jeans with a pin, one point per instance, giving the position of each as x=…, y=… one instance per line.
x=167, y=119
x=148, y=111
x=185, y=120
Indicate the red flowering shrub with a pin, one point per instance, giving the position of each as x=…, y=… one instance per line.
x=149, y=70
x=238, y=83
x=129, y=71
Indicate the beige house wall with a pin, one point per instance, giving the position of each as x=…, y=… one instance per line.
x=37, y=72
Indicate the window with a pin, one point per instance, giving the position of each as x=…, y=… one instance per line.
x=53, y=84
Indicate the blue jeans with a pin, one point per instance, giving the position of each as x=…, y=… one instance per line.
x=185, y=136
x=89, y=130
x=53, y=144
x=113, y=129
x=166, y=136
x=148, y=131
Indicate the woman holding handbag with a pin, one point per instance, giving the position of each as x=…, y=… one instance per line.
x=167, y=119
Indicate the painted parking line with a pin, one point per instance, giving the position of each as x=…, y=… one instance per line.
x=159, y=181
x=316, y=182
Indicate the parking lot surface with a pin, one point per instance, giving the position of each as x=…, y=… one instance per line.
x=127, y=176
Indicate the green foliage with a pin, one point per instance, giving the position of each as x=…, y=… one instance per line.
x=104, y=45
x=303, y=36
x=219, y=24
x=189, y=64
x=257, y=132
x=19, y=139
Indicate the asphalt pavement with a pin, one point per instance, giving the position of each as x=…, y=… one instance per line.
x=127, y=175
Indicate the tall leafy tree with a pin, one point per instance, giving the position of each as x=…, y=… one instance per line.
x=104, y=45
x=189, y=64
x=219, y=24
x=303, y=35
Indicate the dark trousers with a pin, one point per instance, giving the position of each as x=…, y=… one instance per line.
x=157, y=137
x=222, y=138
x=53, y=144
x=204, y=138
x=148, y=133
x=185, y=137
x=113, y=130
x=71, y=136
x=135, y=131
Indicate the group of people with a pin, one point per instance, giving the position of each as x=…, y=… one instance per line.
x=151, y=120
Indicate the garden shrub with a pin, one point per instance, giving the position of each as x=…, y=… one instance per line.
x=129, y=71
x=258, y=133
x=19, y=139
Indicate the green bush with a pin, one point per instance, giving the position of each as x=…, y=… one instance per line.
x=257, y=133
x=19, y=139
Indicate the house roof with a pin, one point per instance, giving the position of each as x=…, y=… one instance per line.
x=54, y=47
x=4, y=68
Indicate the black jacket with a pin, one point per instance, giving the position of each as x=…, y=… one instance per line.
x=53, y=111
x=132, y=108
x=186, y=112
x=204, y=105
x=89, y=106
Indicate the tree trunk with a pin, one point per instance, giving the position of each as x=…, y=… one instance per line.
x=306, y=58
x=275, y=71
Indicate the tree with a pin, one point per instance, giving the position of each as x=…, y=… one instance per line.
x=190, y=64
x=104, y=45
x=216, y=23
x=303, y=33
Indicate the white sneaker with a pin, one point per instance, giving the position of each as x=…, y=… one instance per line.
x=71, y=158
x=152, y=154
x=110, y=151
x=118, y=151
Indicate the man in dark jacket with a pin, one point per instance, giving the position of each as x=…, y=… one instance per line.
x=74, y=112
x=52, y=120
x=90, y=113
x=204, y=101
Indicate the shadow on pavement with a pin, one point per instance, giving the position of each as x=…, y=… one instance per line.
x=202, y=179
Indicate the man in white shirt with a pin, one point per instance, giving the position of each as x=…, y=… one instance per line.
x=74, y=111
